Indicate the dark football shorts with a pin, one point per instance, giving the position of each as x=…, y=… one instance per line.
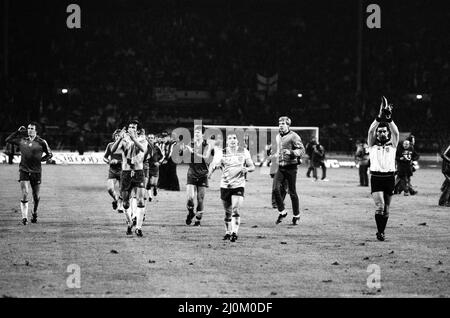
x=385, y=184
x=132, y=179
x=197, y=181
x=153, y=171
x=33, y=177
x=114, y=173
x=146, y=172
x=225, y=193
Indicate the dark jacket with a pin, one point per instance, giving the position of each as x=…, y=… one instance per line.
x=293, y=143
x=404, y=158
x=362, y=155
x=318, y=154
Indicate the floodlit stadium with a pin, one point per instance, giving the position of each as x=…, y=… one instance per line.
x=157, y=149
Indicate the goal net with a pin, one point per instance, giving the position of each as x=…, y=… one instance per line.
x=257, y=139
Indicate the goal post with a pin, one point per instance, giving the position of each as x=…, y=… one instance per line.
x=257, y=139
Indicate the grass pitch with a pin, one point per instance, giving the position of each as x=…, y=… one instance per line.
x=326, y=255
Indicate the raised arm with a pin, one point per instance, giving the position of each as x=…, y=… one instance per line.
x=107, y=154
x=372, y=135
x=216, y=162
x=15, y=137
x=208, y=153
x=141, y=144
x=384, y=115
x=118, y=143
x=395, y=134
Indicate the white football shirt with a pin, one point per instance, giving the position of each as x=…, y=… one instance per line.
x=382, y=157
x=232, y=164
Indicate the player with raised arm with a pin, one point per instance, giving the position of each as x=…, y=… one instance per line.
x=235, y=162
x=382, y=140
x=30, y=170
x=115, y=168
x=197, y=175
x=133, y=148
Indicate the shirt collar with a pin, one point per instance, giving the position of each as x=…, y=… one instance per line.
x=284, y=134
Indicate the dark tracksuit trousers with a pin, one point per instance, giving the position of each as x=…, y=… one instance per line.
x=286, y=174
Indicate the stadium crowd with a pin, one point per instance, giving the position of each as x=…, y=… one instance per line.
x=112, y=64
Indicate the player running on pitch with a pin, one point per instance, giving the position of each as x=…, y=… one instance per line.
x=132, y=177
x=197, y=175
x=115, y=168
x=30, y=170
x=235, y=162
x=382, y=140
